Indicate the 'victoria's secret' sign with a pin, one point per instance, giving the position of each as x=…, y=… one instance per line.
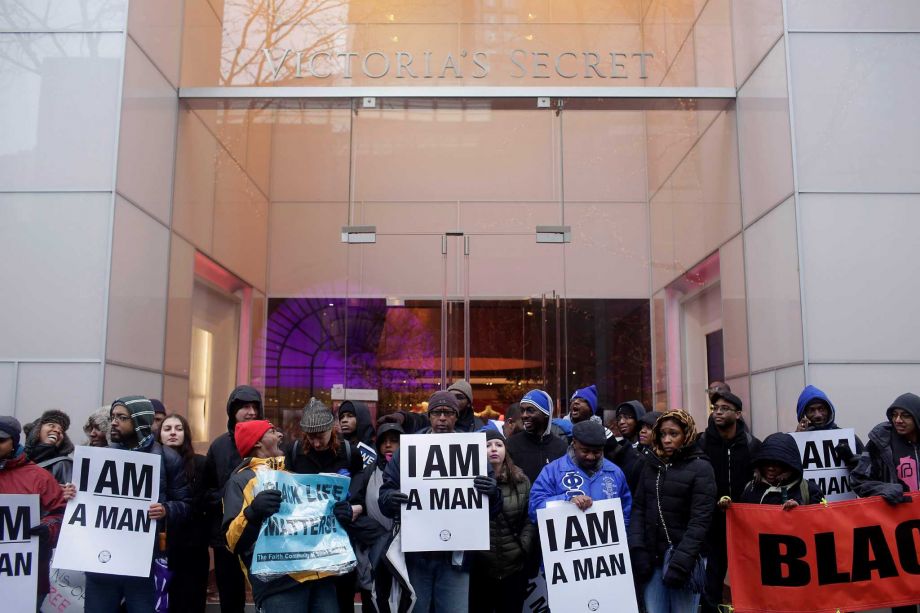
x=286, y=63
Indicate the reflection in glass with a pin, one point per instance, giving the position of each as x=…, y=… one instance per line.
x=395, y=349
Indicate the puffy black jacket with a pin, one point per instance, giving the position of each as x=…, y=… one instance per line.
x=876, y=473
x=511, y=535
x=627, y=458
x=195, y=532
x=531, y=453
x=684, y=490
x=223, y=459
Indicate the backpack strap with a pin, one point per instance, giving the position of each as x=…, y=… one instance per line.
x=348, y=454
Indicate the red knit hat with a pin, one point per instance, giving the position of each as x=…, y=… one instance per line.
x=248, y=433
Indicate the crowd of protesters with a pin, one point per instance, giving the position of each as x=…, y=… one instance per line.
x=673, y=478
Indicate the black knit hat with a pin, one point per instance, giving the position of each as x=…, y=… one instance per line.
x=589, y=433
x=443, y=400
x=493, y=434
x=10, y=428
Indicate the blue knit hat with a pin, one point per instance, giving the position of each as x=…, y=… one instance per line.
x=539, y=400
x=589, y=395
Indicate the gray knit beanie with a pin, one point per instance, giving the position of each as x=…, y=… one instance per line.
x=317, y=417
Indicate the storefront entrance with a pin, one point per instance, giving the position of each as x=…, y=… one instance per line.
x=419, y=242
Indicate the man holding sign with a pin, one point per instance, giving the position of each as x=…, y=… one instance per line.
x=585, y=554
x=19, y=475
x=245, y=512
x=443, y=506
x=123, y=497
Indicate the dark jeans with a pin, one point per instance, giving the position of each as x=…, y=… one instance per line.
x=308, y=597
x=911, y=608
x=104, y=593
x=231, y=583
x=488, y=594
x=345, y=592
x=188, y=588
x=716, y=567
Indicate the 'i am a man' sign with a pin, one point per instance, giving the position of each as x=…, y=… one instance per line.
x=444, y=512
x=823, y=465
x=18, y=551
x=106, y=528
x=586, y=557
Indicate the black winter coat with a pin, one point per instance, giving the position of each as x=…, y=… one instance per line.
x=219, y=466
x=684, y=490
x=731, y=460
x=627, y=458
x=194, y=534
x=531, y=453
x=223, y=459
x=346, y=460
x=511, y=535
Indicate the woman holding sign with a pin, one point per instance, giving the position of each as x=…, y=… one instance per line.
x=497, y=579
x=672, y=509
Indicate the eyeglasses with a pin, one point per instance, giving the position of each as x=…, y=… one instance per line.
x=441, y=413
x=718, y=408
x=120, y=418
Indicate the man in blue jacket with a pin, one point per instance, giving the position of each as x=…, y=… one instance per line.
x=582, y=475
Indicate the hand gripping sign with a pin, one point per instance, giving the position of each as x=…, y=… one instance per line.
x=304, y=534
x=106, y=528
x=586, y=557
x=18, y=551
x=823, y=465
x=445, y=512
x=847, y=556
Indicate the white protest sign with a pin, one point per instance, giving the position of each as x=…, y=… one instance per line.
x=18, y=551
x=445, y=512
x=68, y=592
x=823, y=465
x=586, y=558
x=106, y=528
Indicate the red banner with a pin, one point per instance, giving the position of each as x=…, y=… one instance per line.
x=847, y=556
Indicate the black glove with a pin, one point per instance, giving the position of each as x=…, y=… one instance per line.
x=342, y=512
x=895, y=494
x=42, y=532
x=675, y=579
x=265, y=504
x=486, y=485
x=395, y=501
x=845, y=453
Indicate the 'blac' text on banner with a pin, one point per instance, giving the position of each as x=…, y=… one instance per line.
x=847, y=556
